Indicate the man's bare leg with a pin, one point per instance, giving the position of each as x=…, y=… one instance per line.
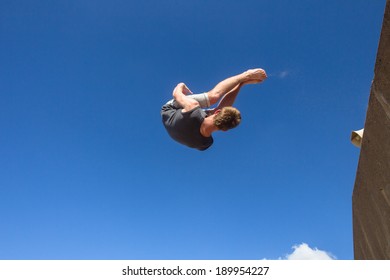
x=228, y=89
x=229, y=98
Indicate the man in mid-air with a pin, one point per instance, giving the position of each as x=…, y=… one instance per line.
x=189, y=119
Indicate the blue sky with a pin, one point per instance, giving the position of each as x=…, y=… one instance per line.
x=87, y=170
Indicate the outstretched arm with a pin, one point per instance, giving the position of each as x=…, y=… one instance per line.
x=179, y=93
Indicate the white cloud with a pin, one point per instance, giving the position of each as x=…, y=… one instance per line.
x=304, y=252
x=283, y=74
x=280, y=74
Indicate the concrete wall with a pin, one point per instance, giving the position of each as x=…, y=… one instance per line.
x=371, y=195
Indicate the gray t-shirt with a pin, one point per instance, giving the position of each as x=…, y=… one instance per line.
x=185, y=127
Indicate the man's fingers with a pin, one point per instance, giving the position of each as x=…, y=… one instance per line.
x=187, y=90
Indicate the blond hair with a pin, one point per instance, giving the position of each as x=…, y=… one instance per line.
x=227, y=118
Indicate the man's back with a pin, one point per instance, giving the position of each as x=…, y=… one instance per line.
x=185, y=127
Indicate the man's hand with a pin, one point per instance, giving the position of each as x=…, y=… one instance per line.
x=184, y=89
x=179, y=94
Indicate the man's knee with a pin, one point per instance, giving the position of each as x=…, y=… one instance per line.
x=213, y=97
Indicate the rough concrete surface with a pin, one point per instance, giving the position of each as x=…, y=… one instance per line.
x=371, y=195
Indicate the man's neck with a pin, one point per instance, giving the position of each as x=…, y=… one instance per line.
x=207, y=127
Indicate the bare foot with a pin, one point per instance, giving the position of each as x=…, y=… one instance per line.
x=254, y=76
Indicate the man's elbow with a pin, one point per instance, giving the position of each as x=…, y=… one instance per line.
x=174, y=94
x=177, y=90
